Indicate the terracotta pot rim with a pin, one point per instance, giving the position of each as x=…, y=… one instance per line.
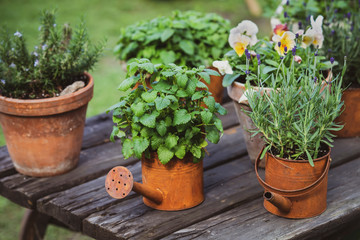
x=301, y=161
x=48, y=106
x=52, y=99
x=237, y=86
x=352, y=89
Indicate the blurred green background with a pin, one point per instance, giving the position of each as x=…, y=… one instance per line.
x=104, y=20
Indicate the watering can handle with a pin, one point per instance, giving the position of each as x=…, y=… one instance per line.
x=290, y=193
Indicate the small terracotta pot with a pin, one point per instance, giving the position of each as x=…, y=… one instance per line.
x=174, y=186
x=293, y=188
x=44, y=136
x=351, y=114
x=253, y=144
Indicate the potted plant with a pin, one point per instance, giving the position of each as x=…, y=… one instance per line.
x=44, y=96
x=166, y=126
x=252, y=59
x=185, y=38
x=296, y=121
x=341, y=36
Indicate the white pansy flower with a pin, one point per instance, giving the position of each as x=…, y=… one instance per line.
x=223, y=67
x=246, y=28
x=318, y=32
x=12, y=65
x=308, y=38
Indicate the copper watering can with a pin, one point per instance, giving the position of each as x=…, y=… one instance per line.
x=294, y=189
x=174, y=186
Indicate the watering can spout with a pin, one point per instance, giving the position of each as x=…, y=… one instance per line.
x=282, y=203
x=119, y=183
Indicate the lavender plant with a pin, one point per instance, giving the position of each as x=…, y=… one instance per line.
x=59, y=60
x=296, y=118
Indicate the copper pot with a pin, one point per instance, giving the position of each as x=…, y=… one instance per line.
x=176, y=185
x=44, y=136
x=293, y=188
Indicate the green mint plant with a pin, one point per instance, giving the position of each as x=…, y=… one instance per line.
x=164, y=112
x=186, y=38
x=60, y=59
x=296, y=118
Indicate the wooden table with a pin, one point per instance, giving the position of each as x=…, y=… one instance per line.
x=232, y=208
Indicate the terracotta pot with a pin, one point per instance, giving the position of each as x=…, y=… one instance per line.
x=215, y=86
x=174, y=186
x=44, y=136
x=351, y=115
x=253, y=144
x=293, y=188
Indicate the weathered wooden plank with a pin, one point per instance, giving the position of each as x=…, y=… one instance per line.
x=94, y=162
x=230, y=119
x=225, y=186
x=73, y=205
x=251, y=221
x=148, y=223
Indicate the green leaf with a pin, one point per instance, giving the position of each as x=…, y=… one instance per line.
x=205, y=76
x=268, y=69
x=197, y=96
x=171, y=141
x=229, y=79
x=140, y=145
x=127, y=148
x=310, y=158
x=201, y=85
x=127, y=84
x=203, y=144
x=181, y=117
x=149, y=67
x=191, y=86
x=164, y=154
x=156, y=141
x=212, y=72
x=149, y=96
x=181, y=93
x=206, y=116
x=210, y=103
x=167, y=57
x=182, y=79
x=167, y=34
x=218, y=124
x=146, y=132
x=196, y=152
x=138, y=109
x=161, y=128
x=212, y=134
x=180, y=151
x=220, y=109
x=148, y=120
x=272, y=63
x=187, y=46
x=114, y=132
x=161, y=103
x=168, y=121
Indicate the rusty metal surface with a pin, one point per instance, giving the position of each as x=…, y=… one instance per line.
x=119, y=182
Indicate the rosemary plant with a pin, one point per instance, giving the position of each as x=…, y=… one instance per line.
x=297, y=117
x=60, y=59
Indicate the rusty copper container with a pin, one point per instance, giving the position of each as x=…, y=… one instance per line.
x=180, y=181
x=351, y=114
x=293, y=188
x=174, y=186
x=215, y=86
x=44, y=136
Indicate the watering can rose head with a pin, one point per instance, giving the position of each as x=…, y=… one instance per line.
x=166, y=110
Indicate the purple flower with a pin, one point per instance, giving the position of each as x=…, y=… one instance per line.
x=281, y=58
x=54, y=25
x=18, y=34
x=285, y=49
x=3, y=81
x=287, y=2
x=293, y=51
x=327, y=8
x=247, y=72
x=329, y=50
x=316, y=53
x=44, y=47
x=332, y=60
x=304, y=4
x=279, y=44
x=286, y=14
x=248, y=55
x=296, y=35
x=315, y=79
x=335, y=10
x=332, y=32
x=12, y=65
x=300, y=23
x=258, y=56
x=348, y=15
x=36, y=63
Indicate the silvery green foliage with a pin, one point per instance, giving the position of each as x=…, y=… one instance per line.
x=60, y=59
x=297, y=117
x=164, y=111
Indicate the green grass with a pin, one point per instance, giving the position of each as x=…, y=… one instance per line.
x=104, y=20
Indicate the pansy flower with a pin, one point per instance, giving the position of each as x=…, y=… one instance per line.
x=223, y=67
x=280, y=29
x=284, y=43
x=243, y=35
x=318, y=33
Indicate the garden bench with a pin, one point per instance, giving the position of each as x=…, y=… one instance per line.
x=233, y=197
